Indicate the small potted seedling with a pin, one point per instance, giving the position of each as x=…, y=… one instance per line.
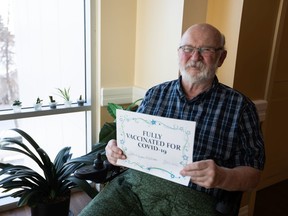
x=38, y=104
x=65, y=95
x=80, y=101
x=52, y=103
x=17, y=104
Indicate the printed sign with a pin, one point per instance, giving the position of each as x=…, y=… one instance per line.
x=155, y=145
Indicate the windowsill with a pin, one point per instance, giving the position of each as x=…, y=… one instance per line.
x=8, y=203
x=46, y=110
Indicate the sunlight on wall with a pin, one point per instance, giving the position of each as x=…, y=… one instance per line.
x=159, y=26
x=218, y=12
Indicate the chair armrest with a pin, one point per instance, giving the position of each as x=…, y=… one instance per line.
x=99, y=172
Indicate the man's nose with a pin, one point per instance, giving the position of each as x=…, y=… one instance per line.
x=196, y=55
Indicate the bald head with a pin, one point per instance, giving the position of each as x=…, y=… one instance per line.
x=203, y=33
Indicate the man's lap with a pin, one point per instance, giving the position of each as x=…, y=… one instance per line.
x=137, y=193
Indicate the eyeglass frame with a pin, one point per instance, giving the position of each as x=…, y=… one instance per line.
x=200, y=50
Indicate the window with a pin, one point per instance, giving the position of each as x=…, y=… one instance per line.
x=45, y=45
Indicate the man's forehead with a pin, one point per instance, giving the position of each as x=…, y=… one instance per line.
x=201, y=35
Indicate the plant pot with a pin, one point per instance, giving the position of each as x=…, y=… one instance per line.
x=67, y=103
x=38, y=106
x=80, y=102
x=16, y=108
x=53, y=105
x=59, y=208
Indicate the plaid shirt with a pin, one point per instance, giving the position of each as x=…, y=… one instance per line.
x=227, y=125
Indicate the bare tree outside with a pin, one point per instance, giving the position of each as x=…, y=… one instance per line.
x=9, y=89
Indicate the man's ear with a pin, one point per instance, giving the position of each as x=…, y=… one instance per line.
x=222, y=57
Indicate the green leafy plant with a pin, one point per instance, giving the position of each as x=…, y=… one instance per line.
x=56, y=181
x=64, y=93
x=58, y=177
x=52, y=99
x=17, y=103
x=38, y=100
x=108, y=131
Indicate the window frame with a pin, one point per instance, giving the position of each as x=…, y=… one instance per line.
x=88, y=107
x=29, y=112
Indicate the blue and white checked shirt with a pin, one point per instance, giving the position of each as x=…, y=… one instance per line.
x=227, y=125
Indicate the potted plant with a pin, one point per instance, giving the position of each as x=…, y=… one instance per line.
x=38, y=104
x=17, y=105
x=52, y=103
x=65, y=95
x=46, y=190
x=80, y=101
x=108, y=130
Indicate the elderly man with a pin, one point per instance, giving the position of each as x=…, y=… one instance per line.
x=228, y=149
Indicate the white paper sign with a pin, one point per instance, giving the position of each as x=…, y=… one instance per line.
x=155, y=145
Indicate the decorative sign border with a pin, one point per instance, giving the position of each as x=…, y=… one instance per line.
x=151, y=155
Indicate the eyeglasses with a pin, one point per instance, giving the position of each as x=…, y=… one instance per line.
x=204, y=51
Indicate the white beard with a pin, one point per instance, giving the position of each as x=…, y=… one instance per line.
x=203, y=75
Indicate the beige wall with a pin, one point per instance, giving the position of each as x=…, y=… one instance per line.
x=139, y=39
x=133, y=34
x=226, y=16
x=277, y=95
x=216, y=12
x=118, y=37
x=261, y=72
x=147, y=32
x=160, y=24
x=157, y=40
x=153, y=32
x=255, y=45
x=195, y=11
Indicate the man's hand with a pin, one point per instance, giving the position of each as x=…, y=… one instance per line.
x=204, y=173
x=114, y=153
x=208, y=174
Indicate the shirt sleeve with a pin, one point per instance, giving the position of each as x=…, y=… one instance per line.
x=251, y=151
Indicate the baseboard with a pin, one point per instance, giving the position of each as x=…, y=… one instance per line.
x=121, y=95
